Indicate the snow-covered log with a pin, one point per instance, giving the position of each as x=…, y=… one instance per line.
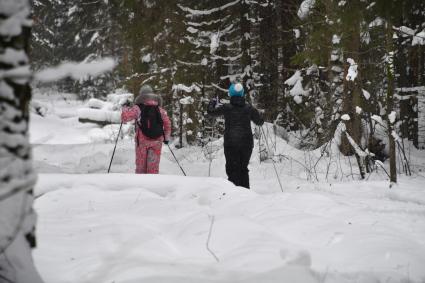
x=104, y=112
x=98, y=116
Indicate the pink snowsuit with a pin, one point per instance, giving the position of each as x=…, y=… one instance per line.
x=148, y=151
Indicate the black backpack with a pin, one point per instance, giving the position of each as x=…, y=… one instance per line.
x=150, y=121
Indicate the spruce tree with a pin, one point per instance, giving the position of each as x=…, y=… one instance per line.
x=17, y=217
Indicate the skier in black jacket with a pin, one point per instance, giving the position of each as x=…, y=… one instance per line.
x=238, y=139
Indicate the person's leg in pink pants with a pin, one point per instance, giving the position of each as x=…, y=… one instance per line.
x=148, y=155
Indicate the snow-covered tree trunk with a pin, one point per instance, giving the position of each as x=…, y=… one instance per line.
x=352, y=87
x=17, y=178
x=390, y=100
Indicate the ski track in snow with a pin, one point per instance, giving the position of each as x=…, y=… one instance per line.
x=127, y=228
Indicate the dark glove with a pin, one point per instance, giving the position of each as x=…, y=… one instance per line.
x=213, y=103
x=166, y=142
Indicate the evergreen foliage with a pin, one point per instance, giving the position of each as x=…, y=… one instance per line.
x=292, y=57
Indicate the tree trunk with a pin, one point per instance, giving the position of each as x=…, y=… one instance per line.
x=246, y=47
x=268, y=56
x=390, y=100
x=17, y=178
x=181, y=126
x=352, y=88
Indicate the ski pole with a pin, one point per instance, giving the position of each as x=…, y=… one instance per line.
x=274, y=165
x=113, y=153
x=175, y=158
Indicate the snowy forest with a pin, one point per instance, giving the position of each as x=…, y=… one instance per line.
x=293, y=58
x=336, y=172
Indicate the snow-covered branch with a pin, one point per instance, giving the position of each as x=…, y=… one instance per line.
x=76, y=70
x=194, y=12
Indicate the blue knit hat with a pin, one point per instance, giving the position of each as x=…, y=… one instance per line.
x=236, y=90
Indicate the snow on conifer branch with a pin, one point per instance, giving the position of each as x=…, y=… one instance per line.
x=76, y=70
x=352, y=70
x=194, y=12
x=305, y=8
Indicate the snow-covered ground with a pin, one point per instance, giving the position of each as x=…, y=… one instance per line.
x=121, y=227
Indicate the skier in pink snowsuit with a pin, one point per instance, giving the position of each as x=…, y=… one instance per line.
x=148, y=150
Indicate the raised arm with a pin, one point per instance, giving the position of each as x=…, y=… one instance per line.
x=255, y=117
x=215, y=111
x=130, y=113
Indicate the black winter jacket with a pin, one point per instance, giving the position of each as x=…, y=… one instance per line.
x=238, y=116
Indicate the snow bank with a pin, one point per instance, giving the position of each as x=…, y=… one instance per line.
x=54, y=119
x=141, y=228
x=147, y=228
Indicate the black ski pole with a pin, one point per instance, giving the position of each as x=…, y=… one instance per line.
x=113, y=153
x=175, y=158
x=274, y=165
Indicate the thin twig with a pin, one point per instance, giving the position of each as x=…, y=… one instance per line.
x=406, y=162
x=274, y=165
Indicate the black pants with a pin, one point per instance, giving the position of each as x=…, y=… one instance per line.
x=237, y=159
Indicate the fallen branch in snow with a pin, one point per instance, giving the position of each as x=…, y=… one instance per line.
x=209, y=237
